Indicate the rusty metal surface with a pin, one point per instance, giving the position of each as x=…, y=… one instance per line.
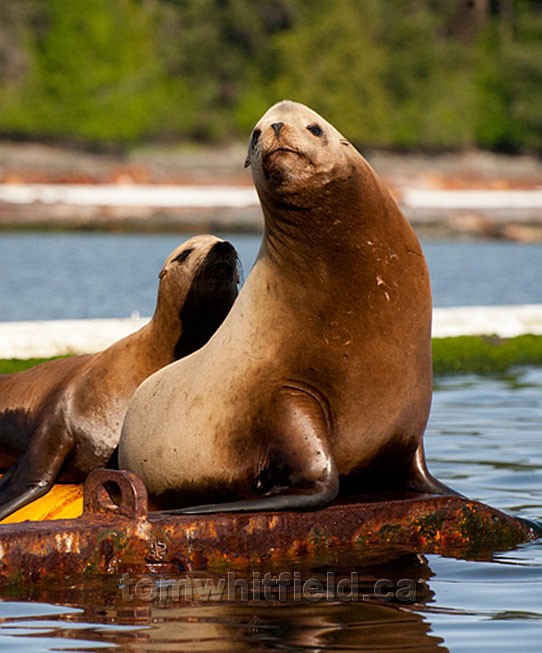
x=117, y=534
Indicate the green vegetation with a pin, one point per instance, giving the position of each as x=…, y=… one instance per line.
x=461, y=355
x=389, y=73
x=484, y=355
x=12, y=365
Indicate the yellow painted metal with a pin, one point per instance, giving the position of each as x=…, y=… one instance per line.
x=61, y=502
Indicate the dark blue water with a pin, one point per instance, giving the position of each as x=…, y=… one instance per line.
x=73, y=275
x=484, y=439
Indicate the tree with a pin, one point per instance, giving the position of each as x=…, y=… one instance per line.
x=333, y=61
x=392, y=73
x=97, y=74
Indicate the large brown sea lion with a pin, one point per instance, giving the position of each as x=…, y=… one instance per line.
x=320, y=376
x=64, y=417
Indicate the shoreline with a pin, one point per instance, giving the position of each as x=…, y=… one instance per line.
x=459, y=213
x=48, y=338
x=183, y=188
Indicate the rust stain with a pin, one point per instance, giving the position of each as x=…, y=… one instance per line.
x=116, y=534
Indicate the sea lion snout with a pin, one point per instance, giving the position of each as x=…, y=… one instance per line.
x=278, y=137
x=223, y=250
x=210, y=297
x=222, y=264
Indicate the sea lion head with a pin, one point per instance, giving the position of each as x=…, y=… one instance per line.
x=296, y=155
x=199, y=283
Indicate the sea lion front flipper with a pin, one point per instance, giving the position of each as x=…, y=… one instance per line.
x=420, y=479
x=35, y=471
x=14, y=496
x=301, y=446
x=306, y=498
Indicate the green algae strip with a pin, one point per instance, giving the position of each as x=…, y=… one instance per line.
x=457, y=355
x=485, y=354
x=11, y=365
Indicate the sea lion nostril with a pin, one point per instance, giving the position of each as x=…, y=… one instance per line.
x=277, y=126
x=223, y=247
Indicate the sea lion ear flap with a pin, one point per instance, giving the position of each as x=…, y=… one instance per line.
x=247, y=162
x=344, y=141
x=162, y=273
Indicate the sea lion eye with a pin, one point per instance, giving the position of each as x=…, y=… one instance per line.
x=315, y=129
x=255, y=136
x=182, y=256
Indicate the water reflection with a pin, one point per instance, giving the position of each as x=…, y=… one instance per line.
x=370, y=615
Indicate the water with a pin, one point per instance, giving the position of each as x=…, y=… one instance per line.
x=73, y=275
x=51, y=276
x=484, y=439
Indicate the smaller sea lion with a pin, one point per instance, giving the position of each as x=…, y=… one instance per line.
x=62, y=418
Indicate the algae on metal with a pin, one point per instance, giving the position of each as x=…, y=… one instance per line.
x=111, y=538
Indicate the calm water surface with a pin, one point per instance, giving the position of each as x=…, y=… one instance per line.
x=484, y=439
x=73, y=275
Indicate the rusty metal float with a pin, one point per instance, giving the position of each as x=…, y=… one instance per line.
x=116, y=534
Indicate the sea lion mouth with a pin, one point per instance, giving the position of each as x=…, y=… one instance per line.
x=216, y=275
x=222, y=267
x=276, y=150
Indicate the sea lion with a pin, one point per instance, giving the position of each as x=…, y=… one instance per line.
x=320, y=376
x=63, y=418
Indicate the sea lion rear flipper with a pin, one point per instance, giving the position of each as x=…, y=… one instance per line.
x=300, y=446
x=420, y=479
x=34, y=473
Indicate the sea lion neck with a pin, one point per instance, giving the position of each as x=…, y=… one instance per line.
x=357, y=210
